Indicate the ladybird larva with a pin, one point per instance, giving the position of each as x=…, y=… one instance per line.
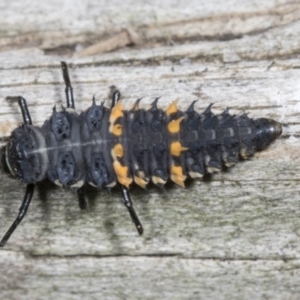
x=104, y=147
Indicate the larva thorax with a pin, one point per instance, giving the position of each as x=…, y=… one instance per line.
x=104, y=146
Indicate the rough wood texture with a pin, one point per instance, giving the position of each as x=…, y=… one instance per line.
x=233, y=236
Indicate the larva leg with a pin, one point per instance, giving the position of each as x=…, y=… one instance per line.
x=128, y=203
x=22, y=212
x=69, y=89
x=115, y=98
x=125, y=193
x=23, y=105
x=71, y=104
x=81, y=198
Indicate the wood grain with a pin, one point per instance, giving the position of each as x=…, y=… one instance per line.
x=233, y=236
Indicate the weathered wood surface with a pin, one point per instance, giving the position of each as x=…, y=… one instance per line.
x=233, y=236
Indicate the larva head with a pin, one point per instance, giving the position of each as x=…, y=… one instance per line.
x=24, y=155
x=267, y=131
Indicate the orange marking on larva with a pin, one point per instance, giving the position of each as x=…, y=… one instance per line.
x=116, y=129
x=116, y=112
x=177, y=175
x=174, y=125
x=121, y=172
x=140, y=181
x=172, y=108
x=117, y=151
x=176, y=170
x=126, y=181
x=178, y=180
x=176, y=148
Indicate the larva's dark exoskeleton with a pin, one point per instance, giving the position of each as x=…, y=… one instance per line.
x=103, y=147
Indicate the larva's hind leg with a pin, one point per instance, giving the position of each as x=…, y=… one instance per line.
x=124, y=190
x=71, y=104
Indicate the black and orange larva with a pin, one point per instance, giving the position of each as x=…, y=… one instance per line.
x=103, y=147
